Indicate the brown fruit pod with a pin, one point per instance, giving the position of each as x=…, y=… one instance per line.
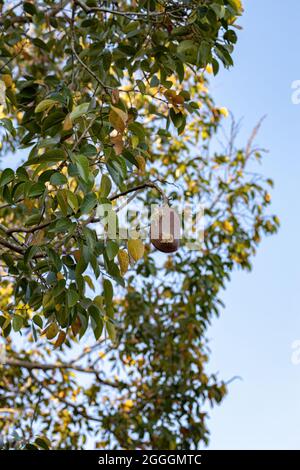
x=165, y=229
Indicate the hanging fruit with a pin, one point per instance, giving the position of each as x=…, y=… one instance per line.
x=165, y=229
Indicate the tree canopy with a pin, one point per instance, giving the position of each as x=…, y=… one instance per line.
x=101, y=100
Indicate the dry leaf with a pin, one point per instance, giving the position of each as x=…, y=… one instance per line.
x=118, y=118
x=60, y=339
x=118, y=143
x=68, y=124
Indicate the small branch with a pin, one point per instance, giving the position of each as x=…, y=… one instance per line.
x=92, y=219
x=27, y=19
x=37, y=365
x=67, y=402
x=253, y=136
x=6, y=231
x=83, y=135
x=46, y=367
x=105, y=87
x=136, y=190
x=29, y=229
x=11, y=246
x=8, y=410
x=117, y=12
x=139, y=188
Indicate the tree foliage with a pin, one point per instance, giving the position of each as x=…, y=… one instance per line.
x=102, y=100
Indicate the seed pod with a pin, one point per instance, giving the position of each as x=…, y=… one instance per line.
x=165, y=230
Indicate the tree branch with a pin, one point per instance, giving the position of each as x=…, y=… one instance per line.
x=139, y=188
x=37, y=365
x=148, y=184
x=105, y=87
x=30, y=365
x=118, y=12
x=11, y=246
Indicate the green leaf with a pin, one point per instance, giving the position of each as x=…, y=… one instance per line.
x=6, y=177
x=178, y=119
x=53, y=119
x=72, y=297
x=105, y=186
x=230, y=36
x=154, y=82
x=62, y=201
x=187, y=50
x=43, y=442
x=37, y=319
x=45, y=105
x=36, y=190
x=51, y=156
x=111, y=249
x=61, y=225
x=17, y=322
x=96, y=320
x=29, y=8
x=88, y=204
x=82, y=164
x=79, y=111
x=72, y=201
x=30, y=252
x=138, y=129
x=108, y=291
x=40, y=44
x=51, y=330
x=219, y=10
x=129, y=156
x=58, y=179
x=111, y=331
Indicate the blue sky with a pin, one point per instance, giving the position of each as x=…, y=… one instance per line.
x=254, y=335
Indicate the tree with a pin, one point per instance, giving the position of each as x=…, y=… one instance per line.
x=108, y=101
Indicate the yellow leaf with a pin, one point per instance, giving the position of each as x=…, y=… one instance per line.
x=118, y=144
x=123, y=261
x=141, y=163
x=136, y=249
x=89, y=282
x=178, y=99
x=118, y=119
x=128, y=404
x=60, y=339
x=7, y=80
x=51, y=330
x=237, y=4
x=228, y=227
x=268, y=197
x=224, y=111
x=170, y=94
x=75, y=326
x=68, y=124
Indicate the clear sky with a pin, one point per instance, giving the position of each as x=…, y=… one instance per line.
x=254, y=335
